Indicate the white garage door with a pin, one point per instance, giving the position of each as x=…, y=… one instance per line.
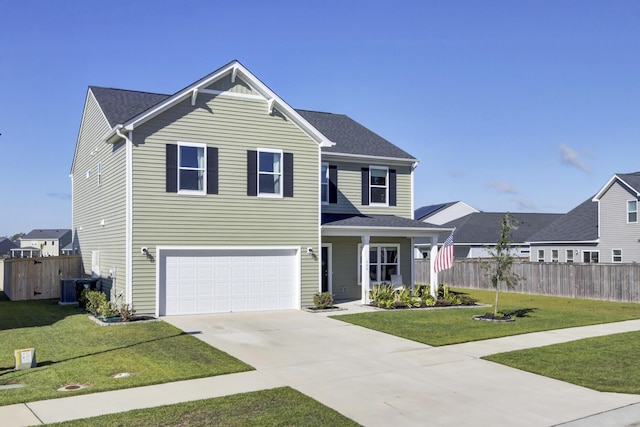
x=198, y=282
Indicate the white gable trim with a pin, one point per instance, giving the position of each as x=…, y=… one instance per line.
x=608, y=185
x=236, y=70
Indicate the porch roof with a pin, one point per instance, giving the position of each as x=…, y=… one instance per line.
x=377, y=225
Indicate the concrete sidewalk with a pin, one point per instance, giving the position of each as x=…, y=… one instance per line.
x=373, y=378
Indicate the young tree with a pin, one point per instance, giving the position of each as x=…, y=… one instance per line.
x=499, y=268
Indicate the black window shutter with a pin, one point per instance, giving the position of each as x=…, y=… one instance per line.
x=392, y=188
x=252, y=173
x=212, y=170
x=333, y=184
x=287, y=190
x=171, y=160
x=365, y=186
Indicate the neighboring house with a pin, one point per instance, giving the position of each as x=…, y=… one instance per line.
x=221, y=197
x=443, y=213
x=477, y=231
x=5, y=247
x=602, y=229
x=42, y=243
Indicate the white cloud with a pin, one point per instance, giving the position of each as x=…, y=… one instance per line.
x=525, y=204
x=503, y=187
x=571, y=158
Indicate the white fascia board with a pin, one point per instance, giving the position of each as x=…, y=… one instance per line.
x=333, y=231
x=359, y=158
x=565, y=242
x=608, y=185
x=84, y=111
x=239, y=70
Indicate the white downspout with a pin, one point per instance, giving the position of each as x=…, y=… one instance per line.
x=432, y=267
x=128, y=216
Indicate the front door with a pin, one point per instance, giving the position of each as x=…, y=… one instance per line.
x=325, y=269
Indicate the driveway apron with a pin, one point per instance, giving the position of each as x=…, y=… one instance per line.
x=378, y=379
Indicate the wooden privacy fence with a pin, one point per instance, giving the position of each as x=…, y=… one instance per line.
x=38, y=278
x=611, y=282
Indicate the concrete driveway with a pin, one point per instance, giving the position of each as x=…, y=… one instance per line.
x=378, y=379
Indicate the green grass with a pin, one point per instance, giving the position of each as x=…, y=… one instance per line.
x=71, y=349
x=602, y=363
x=276, y=407
x=439, y=327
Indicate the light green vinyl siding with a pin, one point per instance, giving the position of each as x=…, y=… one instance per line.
x=95, y=204
x=345, y=263
x=350, y=190
x=230, y=218
x=224, y=84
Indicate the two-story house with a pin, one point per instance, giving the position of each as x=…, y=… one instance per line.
x=42, y=242
x=602, y=229
x=221, y=197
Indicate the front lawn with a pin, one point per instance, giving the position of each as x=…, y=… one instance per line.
x=439, y=327
x=601, y=363
x=71, y=349
x=276, y=407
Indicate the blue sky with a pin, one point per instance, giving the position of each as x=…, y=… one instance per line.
x=509, y=105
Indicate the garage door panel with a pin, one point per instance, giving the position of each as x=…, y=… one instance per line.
x=221, y=281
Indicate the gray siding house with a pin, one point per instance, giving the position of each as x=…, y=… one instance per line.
x=221, y=197
x=42, y=242
x=602, y=229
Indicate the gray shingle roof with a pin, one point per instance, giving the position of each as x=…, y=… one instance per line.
x=633, y=179
x=120, y=105
x=578, y=225
x=374, y=221
x=351, y=137
x=45, y=234
x=483, y=228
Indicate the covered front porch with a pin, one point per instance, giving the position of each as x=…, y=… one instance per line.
x=359, y=251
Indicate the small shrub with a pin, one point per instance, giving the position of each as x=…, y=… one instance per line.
x=429, y=301
x=381, y=294
x=323, y=300
x=93, y=300
x=107, y=309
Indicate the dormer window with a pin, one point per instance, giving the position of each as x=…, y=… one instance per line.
x=632, y=211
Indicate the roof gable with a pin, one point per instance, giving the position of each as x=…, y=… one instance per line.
x=47, y=234
x=631, y=181
x=120, y=105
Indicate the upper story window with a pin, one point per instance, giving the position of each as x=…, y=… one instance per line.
x=270, y=173
x=540, y=255
x=554, y=255
x=632, y=211
x=379, y=186
x=191, y=168
x=324, y=183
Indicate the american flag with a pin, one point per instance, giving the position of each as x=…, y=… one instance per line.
x=444, y=259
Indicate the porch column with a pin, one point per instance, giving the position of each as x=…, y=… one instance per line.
x=432, y=265
x=364, y=269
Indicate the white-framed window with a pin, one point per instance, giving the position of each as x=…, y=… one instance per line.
x=632, y=211
x=569, y=255
x=99, y=173
x=384, y=261
x=378, y=186
x=324, y=183
x=616, y=255
x=540, y=255
x=554, y=255
x=269, y=173
x=192, y=161
x=591, y=256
